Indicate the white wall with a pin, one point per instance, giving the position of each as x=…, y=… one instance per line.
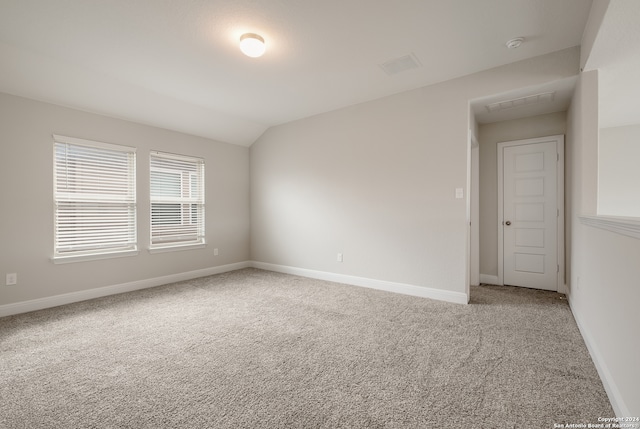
x=603, y=285
x=619, y=171
x=26, y=195
x=377, y=181
x=591, y=30
x=489, y=136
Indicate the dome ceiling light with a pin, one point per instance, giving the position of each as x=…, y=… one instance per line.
x=252, y=45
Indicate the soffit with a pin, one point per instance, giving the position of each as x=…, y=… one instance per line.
x=616, y=54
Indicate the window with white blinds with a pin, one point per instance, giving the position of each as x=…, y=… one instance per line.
x=95, y=198
x=177, y=200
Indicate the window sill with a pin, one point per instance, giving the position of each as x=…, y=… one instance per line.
x=175, y=248
x=629, y=226
x=93, y=257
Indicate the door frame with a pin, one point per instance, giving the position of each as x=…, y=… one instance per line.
x=560, y=204
x=473, y=209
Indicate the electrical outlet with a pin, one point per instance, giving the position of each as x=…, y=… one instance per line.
x=339, y=258
x=215, y=252
x=12, y=279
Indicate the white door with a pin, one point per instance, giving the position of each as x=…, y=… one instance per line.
x=530, y=213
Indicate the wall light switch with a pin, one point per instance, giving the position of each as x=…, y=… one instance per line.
x=459, y=193
x=339, y=259
x=215, y=252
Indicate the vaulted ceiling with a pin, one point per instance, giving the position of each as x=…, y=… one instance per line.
x=176, y=63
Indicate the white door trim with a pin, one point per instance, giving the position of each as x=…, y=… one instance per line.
x=473, y=209
x=560, y=204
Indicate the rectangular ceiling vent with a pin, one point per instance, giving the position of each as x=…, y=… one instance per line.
x=545, y=97
x=401, y=64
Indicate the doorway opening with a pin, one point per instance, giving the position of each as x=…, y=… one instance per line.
x=490, y=128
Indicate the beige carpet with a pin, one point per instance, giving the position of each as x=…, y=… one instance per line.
x=256, y=349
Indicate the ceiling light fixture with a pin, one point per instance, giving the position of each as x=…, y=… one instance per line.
x=252, y=45
x=515, y=42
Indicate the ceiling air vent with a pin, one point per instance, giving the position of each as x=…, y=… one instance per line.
x=544, y=97
x=401, y=64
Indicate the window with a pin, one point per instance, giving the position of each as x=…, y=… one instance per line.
x=95, y=199
x=177, y=200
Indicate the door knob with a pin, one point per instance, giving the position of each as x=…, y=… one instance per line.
x=508, y=223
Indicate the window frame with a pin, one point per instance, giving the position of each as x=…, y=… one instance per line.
x=78, y=199
x=188, y=178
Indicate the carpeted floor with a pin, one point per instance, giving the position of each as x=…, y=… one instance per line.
x=257, y=349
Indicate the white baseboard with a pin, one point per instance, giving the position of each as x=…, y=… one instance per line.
x=68, y=298
x=490, y=280
x=405, y=289
x=618, y=404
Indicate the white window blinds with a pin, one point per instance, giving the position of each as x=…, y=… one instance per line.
x=95, y=198
x=177, y=200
